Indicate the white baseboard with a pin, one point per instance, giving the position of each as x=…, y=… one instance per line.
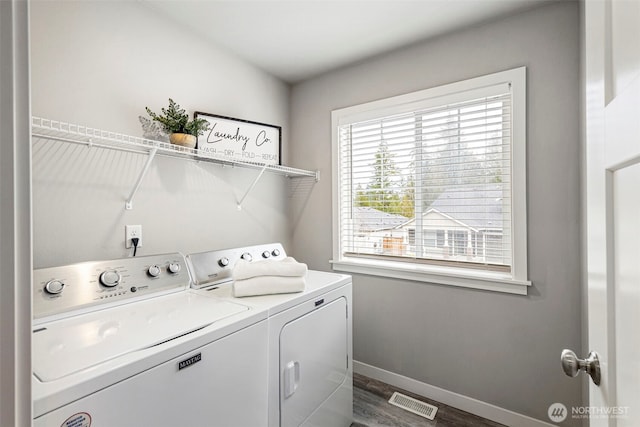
x=467, y=404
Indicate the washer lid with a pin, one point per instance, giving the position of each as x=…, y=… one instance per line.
x=68, y=346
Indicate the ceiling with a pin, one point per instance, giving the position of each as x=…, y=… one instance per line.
x=298, y=39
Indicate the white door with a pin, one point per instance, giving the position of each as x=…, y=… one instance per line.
x=613, y=207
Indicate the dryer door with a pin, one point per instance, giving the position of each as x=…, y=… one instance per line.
x=313, y=361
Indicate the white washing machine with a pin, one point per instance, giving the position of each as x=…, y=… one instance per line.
x=128, y=343
x=309, y=333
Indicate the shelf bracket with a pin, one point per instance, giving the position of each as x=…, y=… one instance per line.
x=129, y=203
x=253, y=184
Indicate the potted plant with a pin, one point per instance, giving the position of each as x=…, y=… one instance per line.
x=175, y=121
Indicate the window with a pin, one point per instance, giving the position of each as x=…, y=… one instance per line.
x=431, y=185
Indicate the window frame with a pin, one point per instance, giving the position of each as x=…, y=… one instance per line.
x=516, y=281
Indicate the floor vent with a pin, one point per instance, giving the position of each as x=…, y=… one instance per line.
x=414, y=405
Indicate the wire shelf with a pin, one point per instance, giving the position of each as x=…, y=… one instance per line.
x=54, y=130
x=68, y=132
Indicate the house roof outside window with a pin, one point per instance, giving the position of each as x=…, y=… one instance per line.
x=479, y=208
x=367, y=219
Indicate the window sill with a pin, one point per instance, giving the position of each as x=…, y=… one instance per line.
x=484, y=280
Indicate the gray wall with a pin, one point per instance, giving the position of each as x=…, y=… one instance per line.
x=498, y=348
x=99, y=64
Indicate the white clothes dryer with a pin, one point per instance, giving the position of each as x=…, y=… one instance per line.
x=309, y=334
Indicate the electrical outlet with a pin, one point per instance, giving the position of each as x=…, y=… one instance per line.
x=131, y=231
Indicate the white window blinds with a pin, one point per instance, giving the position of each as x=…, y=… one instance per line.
x=430, y=181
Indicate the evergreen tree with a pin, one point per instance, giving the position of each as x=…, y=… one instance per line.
x=385, y=192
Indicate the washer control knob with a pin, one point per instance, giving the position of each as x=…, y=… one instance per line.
x=110, y=278
x=223, y=262
x=54, y=287
x=266, y=254
x=153, y=271
x=174, y=268
x=275, y=252
x=246, y=256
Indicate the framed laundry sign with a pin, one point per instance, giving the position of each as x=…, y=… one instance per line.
x=241, y=140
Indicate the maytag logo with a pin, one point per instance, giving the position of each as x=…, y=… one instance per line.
x=190, y=361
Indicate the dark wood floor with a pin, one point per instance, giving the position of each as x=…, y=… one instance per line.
x=372, y=409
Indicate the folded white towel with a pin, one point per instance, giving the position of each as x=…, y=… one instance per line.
x=288, y=267
x=267, y=285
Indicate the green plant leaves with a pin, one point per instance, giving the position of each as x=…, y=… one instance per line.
x=175, y=119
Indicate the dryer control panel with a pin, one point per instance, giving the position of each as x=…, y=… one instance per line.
x=89, y=285
x=216, y=267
